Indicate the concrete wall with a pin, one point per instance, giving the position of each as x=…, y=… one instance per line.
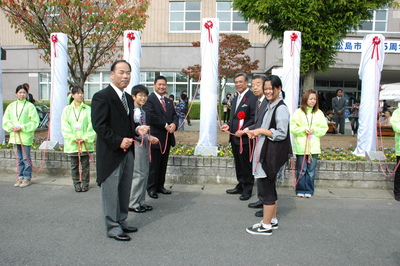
x=215, y=170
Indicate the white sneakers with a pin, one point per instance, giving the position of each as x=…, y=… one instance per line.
x=19, y=182
x=22, y=182
x=301, y=195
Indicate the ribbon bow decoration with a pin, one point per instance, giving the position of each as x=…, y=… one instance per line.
x=209, y=25
x=54, y=39
x=241, y=115
x=375, y=41
x=293, y=38
x=131, y=37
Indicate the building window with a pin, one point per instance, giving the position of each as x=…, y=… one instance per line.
x=177, y=82
x=93, y=84
x=96, y=82
x=230, y=20
x=184, y=16
x=44, y=86
x=377, y=23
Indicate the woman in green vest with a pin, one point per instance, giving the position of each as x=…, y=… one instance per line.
x=21, y=120
x=78, y=133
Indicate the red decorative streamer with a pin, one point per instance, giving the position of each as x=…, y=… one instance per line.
x=131, y=37
x=208, y=25
x=54, y=39
x=293, y=38
x=375, y=41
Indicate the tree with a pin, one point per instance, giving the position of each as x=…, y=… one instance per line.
x=323, y=23
x=93, y=28
x=232, y=59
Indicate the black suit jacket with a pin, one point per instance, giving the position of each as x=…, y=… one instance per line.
x=248, y=105
x=156, y=118
x=112, y=124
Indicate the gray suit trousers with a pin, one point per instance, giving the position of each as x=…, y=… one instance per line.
x=115, y=191
x=140, y=175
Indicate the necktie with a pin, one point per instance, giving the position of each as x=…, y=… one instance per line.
x=163, y=104
x=125, y=103
x=258, y=105
x=238, y=102
x=142, y=117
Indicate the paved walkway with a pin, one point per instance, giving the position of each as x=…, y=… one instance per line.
x=50, y=224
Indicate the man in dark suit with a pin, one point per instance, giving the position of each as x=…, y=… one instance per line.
x=242, y=105
x=339, y=106
x=257, y=82
x=163, y=121
x=112, y=119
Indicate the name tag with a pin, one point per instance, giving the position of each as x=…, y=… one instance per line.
x=77, y=127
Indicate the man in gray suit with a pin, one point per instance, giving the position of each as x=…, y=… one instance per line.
x=113, y=122
x=339, y=106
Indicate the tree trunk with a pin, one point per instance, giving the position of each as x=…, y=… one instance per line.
x=309, y=80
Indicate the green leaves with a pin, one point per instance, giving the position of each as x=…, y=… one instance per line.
x=93, y=28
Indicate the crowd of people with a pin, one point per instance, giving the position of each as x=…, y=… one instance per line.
x=132, y=128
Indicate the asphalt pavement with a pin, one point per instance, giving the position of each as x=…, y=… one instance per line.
x=48, y=223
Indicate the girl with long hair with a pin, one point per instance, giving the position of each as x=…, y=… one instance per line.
x=308, y=125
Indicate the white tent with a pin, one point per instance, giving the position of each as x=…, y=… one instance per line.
x=390, y=92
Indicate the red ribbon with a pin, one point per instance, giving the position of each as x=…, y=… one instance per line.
x=293, y=38
x=54, y=39
x=208, y=25
x=131, y=37
x=375, y=41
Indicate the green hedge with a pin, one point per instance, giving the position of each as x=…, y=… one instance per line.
x=195, y=110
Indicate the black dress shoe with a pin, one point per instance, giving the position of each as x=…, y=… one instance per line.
x=121, y=237
x=164, y=191
x=130, y=229
x=245, y=197
x=147, y=207
x=259, y=214
x=84, y=189
x=256, y=205
x=78, y=189
x=153, y=195
x=234, y=191
x=137, y=209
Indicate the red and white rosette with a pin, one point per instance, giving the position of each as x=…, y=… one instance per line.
x=241, y=115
